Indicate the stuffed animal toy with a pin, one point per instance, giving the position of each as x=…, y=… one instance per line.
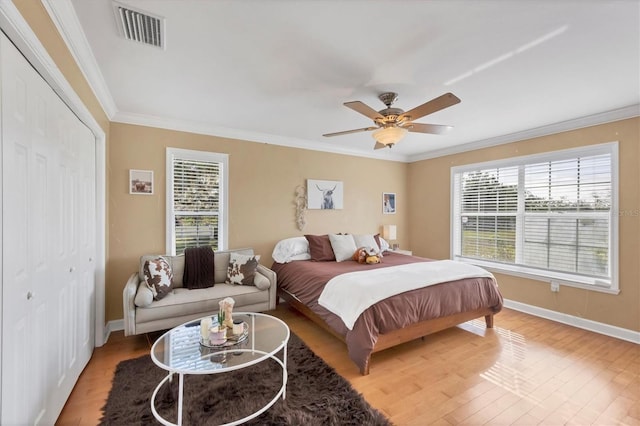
x=367, y=255
x=373, y=258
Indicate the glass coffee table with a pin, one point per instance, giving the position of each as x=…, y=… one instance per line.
x=179, y=351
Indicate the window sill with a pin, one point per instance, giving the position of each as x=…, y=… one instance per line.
x=568, y=280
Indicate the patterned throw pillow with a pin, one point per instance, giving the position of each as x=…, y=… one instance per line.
x=157, y=276
x=242, y=268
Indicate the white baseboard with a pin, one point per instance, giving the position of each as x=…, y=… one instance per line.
x=116, y=325
x=596, y=327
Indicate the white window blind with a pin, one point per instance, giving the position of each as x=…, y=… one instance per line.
x=548, y=215
x=196, y=190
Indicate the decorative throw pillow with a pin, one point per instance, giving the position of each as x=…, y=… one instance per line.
x=157, y=276
x=368, y=241
x=343, y=246
x=242, y=268
x=320, y=248
x=384, y=245
x=377, y=238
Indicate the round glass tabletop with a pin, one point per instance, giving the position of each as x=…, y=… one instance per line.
x=179, y=349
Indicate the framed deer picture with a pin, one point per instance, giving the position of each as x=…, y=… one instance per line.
x=324, y=194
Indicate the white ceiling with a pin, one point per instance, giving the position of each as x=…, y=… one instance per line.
x=278, y=71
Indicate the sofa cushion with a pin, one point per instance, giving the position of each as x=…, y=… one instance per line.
x=177, y=266
x=144, y=296
x=261, y=282
x=182, y=302
x=242, y=268
x=157, y=277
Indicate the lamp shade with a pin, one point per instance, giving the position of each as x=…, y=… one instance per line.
x=389, y=232
x=389, y=135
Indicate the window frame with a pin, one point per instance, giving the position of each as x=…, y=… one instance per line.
x=205, y=156
x=566, y=278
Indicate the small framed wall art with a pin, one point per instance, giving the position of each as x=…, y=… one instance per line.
x=388, y=203
x=141, y=182
x=324, y=194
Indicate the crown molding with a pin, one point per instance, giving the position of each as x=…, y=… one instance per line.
x=66, y=21
x=250, y=136
x=630, y=111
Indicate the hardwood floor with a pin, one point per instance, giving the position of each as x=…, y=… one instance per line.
x=525, y=371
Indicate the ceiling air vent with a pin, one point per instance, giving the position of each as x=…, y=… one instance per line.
x=140, y=26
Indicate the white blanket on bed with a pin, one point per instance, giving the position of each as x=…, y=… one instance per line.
x=348, y=295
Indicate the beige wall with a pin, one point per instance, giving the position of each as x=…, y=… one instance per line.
x=262, y=182
x=430, y=217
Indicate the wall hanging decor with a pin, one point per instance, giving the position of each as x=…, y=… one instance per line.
x=141, y=182
x=388, y=203
x=324, y=194
x=300, y=201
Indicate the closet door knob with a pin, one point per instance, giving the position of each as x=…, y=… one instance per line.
x=30, y=295
x=72, y=269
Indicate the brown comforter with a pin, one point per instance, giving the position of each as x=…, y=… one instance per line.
x=306, y=279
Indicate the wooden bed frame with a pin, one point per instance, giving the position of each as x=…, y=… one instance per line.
x=402, y=335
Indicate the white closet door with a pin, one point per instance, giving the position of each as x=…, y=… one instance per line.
x=48, y=187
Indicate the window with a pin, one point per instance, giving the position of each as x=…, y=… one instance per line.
x=548, y=216
x=196, y=199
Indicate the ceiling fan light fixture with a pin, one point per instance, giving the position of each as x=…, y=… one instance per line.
x=389, y=135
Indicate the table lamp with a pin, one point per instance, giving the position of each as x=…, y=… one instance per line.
x=389, y=233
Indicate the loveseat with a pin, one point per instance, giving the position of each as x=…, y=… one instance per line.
x=143, y=313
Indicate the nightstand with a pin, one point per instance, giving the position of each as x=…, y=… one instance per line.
x=400, y=251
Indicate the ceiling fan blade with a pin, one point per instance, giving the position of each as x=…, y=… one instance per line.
x=364, y=109
x=441, y=102
x=435, y=129
x=346, y=132
x=379, y=145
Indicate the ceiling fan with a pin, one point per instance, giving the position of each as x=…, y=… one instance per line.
x=391, y=124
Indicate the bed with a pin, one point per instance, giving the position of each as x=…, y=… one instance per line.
x=396, y=319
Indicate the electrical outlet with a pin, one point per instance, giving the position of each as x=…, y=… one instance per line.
x=555, y=286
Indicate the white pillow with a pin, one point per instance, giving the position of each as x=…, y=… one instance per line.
x=303, y=256
x=367, y=241
x=384, y=246
x=344, y=246
x=291, y=249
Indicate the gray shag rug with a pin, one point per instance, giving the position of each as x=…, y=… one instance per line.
x=316, y=394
